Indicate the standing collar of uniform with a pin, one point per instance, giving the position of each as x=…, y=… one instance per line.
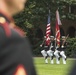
x=8, y=19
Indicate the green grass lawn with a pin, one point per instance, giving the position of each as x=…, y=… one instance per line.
x=49, y=69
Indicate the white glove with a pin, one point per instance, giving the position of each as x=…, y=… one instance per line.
x=51, y=46
x=40, y=45
x=62, y=46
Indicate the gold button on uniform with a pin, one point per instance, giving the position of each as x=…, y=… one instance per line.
x=2, y=20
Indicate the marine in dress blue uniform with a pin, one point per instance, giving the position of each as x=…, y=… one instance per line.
x=15, y=50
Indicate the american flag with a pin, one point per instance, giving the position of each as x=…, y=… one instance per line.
x=58, y=22
x=48, y=30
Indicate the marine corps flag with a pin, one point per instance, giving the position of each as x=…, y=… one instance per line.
x=58, y=22
x=48, y=31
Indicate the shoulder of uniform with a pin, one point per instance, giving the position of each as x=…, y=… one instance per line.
x=2, y=20
x=4, y=26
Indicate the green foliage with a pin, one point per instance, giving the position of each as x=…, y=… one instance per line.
x=71, y=48
x=36, y=11
x=35, y=14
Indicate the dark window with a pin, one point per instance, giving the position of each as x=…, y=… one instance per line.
x=72, y=9
x=62, y=32
x=71, y=31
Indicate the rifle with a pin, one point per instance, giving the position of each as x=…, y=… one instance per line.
x=42, y=43
x=65, y=40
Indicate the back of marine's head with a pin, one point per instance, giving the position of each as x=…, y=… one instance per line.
x=15, y=5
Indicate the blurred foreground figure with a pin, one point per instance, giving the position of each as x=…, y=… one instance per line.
x=15, y=55
x=73, y=71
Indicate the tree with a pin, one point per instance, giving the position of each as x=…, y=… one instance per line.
x=36, y=12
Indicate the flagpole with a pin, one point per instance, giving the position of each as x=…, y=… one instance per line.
x=49, y=11
x=55, y=34
x=55, y=39
x=55, y=42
